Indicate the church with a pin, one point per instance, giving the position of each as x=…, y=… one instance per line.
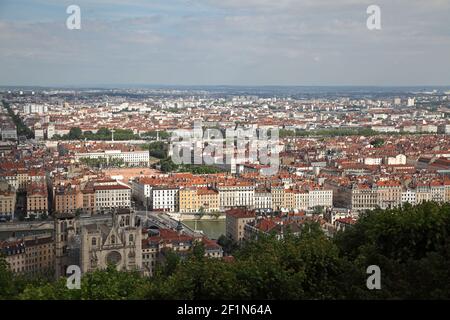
x=96, y=242
x=119, y=244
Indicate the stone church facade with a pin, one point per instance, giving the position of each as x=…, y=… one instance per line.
x=96, y=244
x=119, y=244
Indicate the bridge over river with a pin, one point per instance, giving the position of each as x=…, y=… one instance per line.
x=26, y=226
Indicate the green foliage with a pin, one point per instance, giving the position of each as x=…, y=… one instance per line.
x=167, y=165
x=94, y=162
x=227, y=244
x=154, y=134
x=200, y=169
x=410, y=245
x=6, y=280
x=157, y=149
x=75, y=134
x=334, y=132
x=104, y=134
x=377, y=143
x=108, y=284
x=286, y=133
x=341, y=132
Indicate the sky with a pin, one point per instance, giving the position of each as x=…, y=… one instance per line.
x=224, y=42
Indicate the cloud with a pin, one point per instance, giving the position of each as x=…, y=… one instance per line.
x=226, y=42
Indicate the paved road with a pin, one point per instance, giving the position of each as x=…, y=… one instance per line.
x=26, y=226
x=163, y=220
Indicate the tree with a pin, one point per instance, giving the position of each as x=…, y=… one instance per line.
x=227, y=244
x=22, y=129
x=75, y=134
x=6, y=280
x=411, y=245
x=318, y=210
x=103, y=134
x=167, y=165
x=377, y=143
x=157, y=149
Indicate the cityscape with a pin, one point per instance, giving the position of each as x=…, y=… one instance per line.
x=244, y=191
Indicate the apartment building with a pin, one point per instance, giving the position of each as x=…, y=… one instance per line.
x=262, y=199
x=32, y=255
x=277, y=192
x=157, y=243
x=39, y=254
x=301, y=200
x=165, y=198
x=208, y=199
x=289, y=199
x=37, y=199
x=10, y=178
x=397, y=160
x=236, y=219
x=24, y=177
x=438, y=191
x=68, y=199
x=188, y=200
x=88, y=194
x=142, y=189
x=111, y=194
x=363, y=197
x=7, y=200
x=389, y=193
x=129, y=158
x=14, y=254
x=409, y=196
x=236, y=194
x=320, y=198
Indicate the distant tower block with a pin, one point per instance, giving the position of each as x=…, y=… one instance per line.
x=112, y=135
x=157, y=135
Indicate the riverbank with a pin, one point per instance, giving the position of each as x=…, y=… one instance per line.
x=213, y=229
x=186, y=217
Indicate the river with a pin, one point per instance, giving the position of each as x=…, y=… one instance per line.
x=213, y=229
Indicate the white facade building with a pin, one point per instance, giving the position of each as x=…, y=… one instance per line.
x=373, y=161
x=397, y=160
x=409, y=196
x=133, y=158
x=165, y=199
x=262, y=200
x=112, y=195
x=322, y=198
x=236, y=195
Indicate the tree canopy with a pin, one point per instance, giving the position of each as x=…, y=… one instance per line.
x=411, y=245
